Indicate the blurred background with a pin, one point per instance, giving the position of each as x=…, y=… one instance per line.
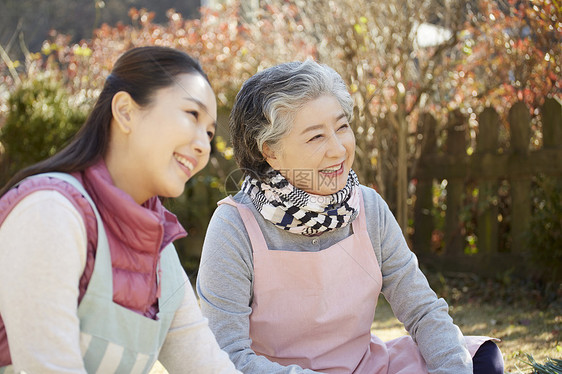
x=458, y=113
x=457, y=118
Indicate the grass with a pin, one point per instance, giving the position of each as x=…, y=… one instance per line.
x=522, y=330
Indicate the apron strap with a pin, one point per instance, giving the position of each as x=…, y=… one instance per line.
x=250, y=222
x=359, y=223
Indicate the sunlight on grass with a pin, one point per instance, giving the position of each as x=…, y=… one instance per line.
x=532, y=331
x=385, y=325
x=158, y=369
x=522, y=331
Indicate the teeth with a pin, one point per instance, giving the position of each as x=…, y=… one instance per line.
x=184, y=162
x=331, y=170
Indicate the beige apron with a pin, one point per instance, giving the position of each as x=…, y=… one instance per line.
x=315, y=309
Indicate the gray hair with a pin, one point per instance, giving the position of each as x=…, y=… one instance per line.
x=265, y=107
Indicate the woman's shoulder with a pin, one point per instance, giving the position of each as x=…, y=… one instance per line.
x=44, y=198
x=48, y=198
x=40, y=190
x=226, y=219
x=226, y=230
x=227, y=208
x=46, y=209
x=377, y=212
x=371, y=198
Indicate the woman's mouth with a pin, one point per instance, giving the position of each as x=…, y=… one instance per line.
x=186, y=164
x=332, y=171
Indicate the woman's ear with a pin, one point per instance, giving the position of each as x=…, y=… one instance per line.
x=269, y=155
x=122, y=107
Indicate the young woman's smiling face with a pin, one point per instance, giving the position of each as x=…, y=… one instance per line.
x=169, y=140
x=317, y=153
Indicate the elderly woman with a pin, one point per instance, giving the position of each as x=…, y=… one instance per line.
x=293, y=265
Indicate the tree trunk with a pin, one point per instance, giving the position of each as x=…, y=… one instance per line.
x=402, y=176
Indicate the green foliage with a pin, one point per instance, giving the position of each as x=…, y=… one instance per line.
x=544, y=236
x=551, y=366
x=194, y=209
x=41, y=120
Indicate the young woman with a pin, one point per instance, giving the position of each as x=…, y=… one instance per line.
x=293, y=265
x=89, y=279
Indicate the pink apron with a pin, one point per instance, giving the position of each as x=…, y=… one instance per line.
x=315, y=309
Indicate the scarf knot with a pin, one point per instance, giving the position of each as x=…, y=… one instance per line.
x=300, y=212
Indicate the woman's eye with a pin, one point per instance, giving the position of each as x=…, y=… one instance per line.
x=194, y=113
x=344, y=126
x=316, y=137
x=211, y=135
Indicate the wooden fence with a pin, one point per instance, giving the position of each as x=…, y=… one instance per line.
x=487, y=167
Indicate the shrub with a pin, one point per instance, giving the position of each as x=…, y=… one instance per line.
x=42, y=117
x=544, y=236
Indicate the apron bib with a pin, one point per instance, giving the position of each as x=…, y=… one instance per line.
x=315, y=309
x=114, y=339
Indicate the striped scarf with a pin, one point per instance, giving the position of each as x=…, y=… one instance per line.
x=300, y=212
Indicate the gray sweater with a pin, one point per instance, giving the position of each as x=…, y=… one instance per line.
x=226, y=274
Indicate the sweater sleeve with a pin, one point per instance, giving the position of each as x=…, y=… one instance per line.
x=224, y=285
x=190, y=346
x=42, y=256
x=409, y=294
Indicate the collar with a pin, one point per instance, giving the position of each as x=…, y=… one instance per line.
x=146, y=228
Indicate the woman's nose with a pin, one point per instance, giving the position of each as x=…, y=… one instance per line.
x=201, y=143
x=336, y=147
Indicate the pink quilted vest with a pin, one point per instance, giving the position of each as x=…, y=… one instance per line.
x=136, y=234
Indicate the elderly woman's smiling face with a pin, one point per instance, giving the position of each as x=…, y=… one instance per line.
x=317, y=153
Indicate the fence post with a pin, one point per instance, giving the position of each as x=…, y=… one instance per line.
x=552, y=123
x=551, y=113
x=456, y=149
x=486, y=149
x=519, y=121
x=423, y=219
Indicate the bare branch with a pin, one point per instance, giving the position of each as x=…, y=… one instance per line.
x=9, y=63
